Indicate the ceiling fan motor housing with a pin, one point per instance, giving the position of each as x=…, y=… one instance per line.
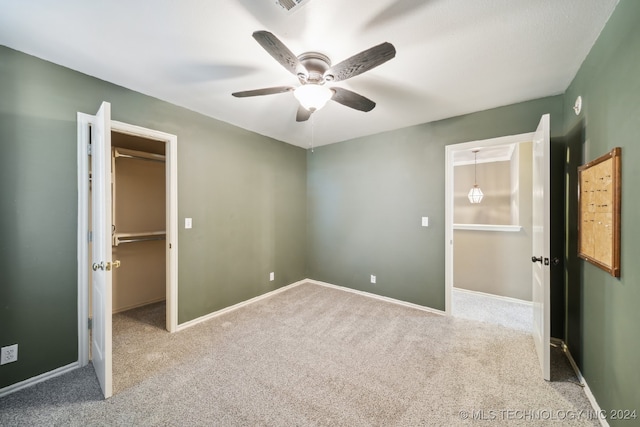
x=316, y=64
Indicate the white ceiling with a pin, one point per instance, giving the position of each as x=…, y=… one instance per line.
x=453, y=56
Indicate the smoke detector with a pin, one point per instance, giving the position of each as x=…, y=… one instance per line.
x=291, y=5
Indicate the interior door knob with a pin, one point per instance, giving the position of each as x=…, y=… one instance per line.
x=97, y=266
x=536, y=259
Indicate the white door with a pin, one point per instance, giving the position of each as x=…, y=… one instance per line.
x=541, y=248
x=101, y=247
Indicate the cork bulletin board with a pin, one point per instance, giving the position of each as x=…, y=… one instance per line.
x=599, y=212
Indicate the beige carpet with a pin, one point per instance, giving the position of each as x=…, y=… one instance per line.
x=486, y=308
x=311, y=356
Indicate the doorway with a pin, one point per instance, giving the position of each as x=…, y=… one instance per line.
x=138, y=215
x=168, y=143
x=493, y=235
x=541, y=230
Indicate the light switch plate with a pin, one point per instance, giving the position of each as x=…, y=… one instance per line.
x=425, y=221
x=188, y=223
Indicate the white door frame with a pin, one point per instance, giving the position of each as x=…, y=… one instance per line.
x=450, y=151
x=171, y=155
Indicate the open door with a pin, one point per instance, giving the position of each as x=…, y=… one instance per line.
x=541, y=245
x=101, y=247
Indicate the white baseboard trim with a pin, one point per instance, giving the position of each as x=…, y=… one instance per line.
x=222, y=311
x=38, y=379
x=583, y=382
x=495, y=297
x=378, y=297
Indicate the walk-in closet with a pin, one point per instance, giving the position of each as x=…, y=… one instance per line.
x=138, y=217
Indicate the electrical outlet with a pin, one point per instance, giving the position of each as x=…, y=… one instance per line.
x=373, y=279
x=272, y=276
x=9, y=354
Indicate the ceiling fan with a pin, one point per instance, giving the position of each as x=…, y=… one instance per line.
x=314, y=70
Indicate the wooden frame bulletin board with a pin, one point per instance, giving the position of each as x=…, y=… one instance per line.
x=599, y=212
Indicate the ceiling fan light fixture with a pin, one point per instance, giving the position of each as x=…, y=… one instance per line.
x=312, y=96
x=314, y=69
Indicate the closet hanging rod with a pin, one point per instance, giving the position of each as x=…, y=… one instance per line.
x=138, y=155
x=137, y=239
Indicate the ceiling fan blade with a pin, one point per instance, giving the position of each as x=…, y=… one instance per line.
x=352, y=99
x=303, y=114
x=260, y=92
x=280, y=52
x=361, y=62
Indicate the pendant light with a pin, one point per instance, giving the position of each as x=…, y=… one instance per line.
x=475, y=194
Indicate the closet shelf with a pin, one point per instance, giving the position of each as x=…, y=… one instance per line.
x=119, y=238
x=137, y=155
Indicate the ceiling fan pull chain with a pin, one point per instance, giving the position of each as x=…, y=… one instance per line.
x=312, y=132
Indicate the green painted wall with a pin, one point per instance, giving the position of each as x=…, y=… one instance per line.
x=346, y=211
x=603, y=319
x=366, y=198
x=246, y=194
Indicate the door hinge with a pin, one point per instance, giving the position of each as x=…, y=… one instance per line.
x=90, y=323
x=89, y=149
x=90, y=236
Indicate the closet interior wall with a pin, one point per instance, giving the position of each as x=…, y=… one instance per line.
x=139, y=211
